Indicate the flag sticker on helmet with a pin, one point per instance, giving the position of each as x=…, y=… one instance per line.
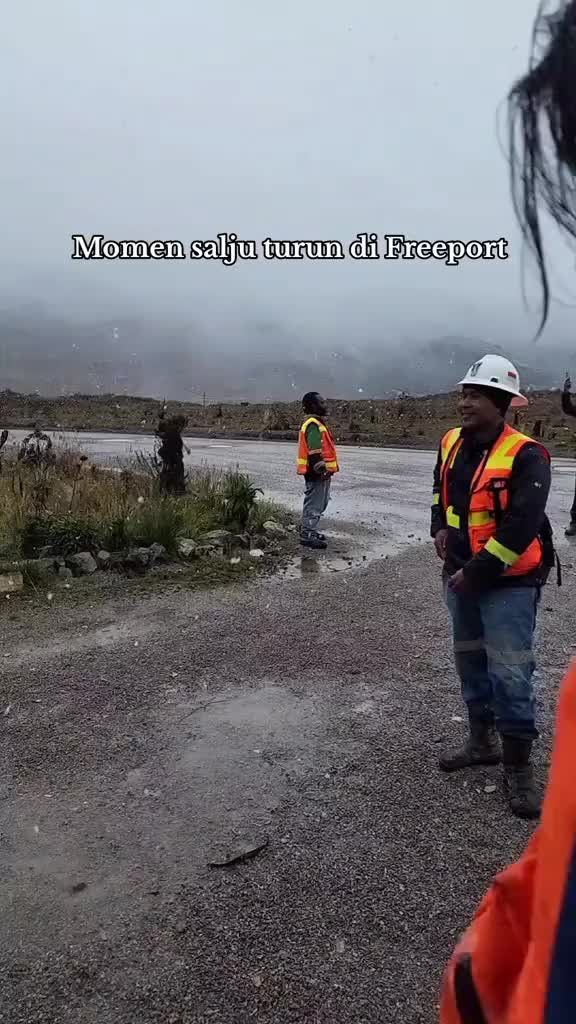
x=495, y=371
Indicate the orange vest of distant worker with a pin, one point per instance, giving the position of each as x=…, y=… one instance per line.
x=516, y=964
x=329, y=452
x=488, y=498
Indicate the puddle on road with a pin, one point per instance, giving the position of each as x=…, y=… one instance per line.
x=314, y=563
x=345, y=551
x=350, y=550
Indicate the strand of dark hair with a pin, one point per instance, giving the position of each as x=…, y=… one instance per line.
x=542, y=137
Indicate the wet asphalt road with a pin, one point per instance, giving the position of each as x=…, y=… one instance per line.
x=381, y=498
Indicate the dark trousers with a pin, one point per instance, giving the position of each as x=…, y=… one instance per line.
x=573, y=509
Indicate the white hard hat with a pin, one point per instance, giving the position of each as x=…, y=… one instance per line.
x=498, y=373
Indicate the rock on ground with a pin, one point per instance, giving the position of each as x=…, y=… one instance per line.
x=144, y=740
x=82, y=564
x=221, y=538
x=158, y=553
x=186, y=547
x=274, y=529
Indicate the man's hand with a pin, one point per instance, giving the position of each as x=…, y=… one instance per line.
x=319, y=470
x=441, y=543
x=458, y=582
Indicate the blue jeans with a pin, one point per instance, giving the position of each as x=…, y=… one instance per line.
x=493, y=649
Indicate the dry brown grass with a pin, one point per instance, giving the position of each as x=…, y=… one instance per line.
x=404, y=422
x=70, y=504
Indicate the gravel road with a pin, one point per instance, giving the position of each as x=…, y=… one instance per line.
x=143, y=741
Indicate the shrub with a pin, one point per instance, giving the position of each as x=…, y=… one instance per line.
x=266, y=510
x=64, y=534
x=160, y=521
x=72, y=506
x=240, y=496
x=206, y=485
x=115, y=535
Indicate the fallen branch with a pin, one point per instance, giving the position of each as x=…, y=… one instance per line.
x=244, y=853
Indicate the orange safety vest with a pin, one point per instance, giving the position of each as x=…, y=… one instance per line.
x=488, y=497
x=516, y=964
x=328, y=447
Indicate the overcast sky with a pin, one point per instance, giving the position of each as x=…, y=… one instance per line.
x=303, y=120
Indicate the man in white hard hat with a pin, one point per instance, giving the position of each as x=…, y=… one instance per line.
x=516, y=960
x=489, y=525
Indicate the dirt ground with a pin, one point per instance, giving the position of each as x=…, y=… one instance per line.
x=144, y=739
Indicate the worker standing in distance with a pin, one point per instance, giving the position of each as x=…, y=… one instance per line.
x=569, y=410
x=317, y=463
x=489, y=525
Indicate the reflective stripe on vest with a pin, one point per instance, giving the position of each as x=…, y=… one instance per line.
x=329, y=452
x=474, y=518
x=490, y=478
x=448, y=442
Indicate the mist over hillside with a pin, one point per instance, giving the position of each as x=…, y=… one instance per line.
x=259, y=361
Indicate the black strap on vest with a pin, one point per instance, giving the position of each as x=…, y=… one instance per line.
x=497, y=506
x=551, y=559
x=467, y=999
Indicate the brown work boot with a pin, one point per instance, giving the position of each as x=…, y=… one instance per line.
x=524, y=799
x=481, y=748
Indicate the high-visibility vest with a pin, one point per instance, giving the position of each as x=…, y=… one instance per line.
x=489, y=497
x=329, y=452
x=516, y=964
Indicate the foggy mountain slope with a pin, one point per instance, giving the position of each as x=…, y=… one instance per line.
x=263, y=361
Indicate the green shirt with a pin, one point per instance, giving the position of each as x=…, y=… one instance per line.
x=314, y=437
